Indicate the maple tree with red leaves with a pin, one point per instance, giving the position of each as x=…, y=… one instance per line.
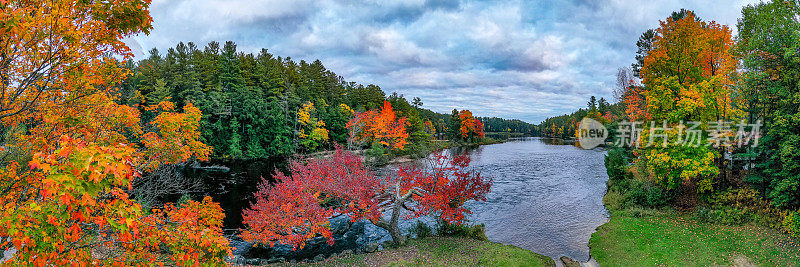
x=297, y=207
x=382, y=126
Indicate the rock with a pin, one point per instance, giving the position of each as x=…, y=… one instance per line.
x=340, y=225
x=253, y=262
x=276, y=260
x=371, y=247
x=240, y=247
x=349, y=238
x=319, y=258
x=569, y=262
x=293, y=261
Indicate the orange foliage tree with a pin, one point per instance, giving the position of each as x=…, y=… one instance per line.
x=470, y=127
x=633, y=99
x=72, y=152
x=382, y=126
x=479, y=129
x=687, y=74
x=298, y=207
x=687, y=77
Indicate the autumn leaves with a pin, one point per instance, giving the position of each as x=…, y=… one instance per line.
x=687, y=75
x=72, y=152
x=296, y=208
x=382, y=126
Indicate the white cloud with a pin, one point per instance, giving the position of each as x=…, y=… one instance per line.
x=509, y=58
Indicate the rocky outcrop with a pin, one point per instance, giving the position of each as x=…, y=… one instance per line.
x=349, y=237
x=568, y=262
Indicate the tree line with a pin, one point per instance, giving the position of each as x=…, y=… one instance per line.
x=564, y=126
x=81, y=129
x=260, y=105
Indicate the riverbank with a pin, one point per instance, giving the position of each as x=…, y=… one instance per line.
x=441, y=251
x=650, y=237
x=435, y=145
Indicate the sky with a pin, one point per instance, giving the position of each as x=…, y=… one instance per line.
x=525, y=60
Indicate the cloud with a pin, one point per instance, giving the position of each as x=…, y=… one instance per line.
x=513, y=59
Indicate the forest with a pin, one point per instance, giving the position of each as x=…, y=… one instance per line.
x=91, y=139
x=261, y=105
x=692, y=70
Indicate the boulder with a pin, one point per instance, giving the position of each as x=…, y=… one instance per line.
x=276, y=260
x=371, y=247
x=568, y=262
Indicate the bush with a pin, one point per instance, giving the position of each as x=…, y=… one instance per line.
x=616, y=162
x=417, y=151
x=645, y=194
x=759, y=209
x=613, y=199
x=724, y=215
x=421, y=230
x=791, y=223
x=638, y=212
x=740, y=198
x=377, y=155
x=477, y=231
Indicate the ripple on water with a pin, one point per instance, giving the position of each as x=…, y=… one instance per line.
x=545, y=198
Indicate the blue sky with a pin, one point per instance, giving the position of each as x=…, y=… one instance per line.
x=513, y=59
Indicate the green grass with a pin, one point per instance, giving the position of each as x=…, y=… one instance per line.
x=640, y=237
x=445, y=251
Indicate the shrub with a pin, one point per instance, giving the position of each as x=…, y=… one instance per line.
x=616, y=162
x=421, y=230
x=740, y=198
x=645, y=194
x=416, y=151
x=724, y=215
x=613, y=199
x=791, y=223
x=378, y=155
x=477, y=231
x=750, y=200
x=638, y=212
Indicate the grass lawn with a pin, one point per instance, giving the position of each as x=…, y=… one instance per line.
x=444, y=251
x=671, y=238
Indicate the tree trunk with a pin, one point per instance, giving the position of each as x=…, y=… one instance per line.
x=393, y=224
x=394, y=228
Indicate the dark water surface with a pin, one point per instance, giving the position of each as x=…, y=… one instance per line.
x=545, y=198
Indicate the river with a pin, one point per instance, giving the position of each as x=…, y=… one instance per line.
x=545, y=198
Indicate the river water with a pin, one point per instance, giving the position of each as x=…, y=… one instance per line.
x=545, y=198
